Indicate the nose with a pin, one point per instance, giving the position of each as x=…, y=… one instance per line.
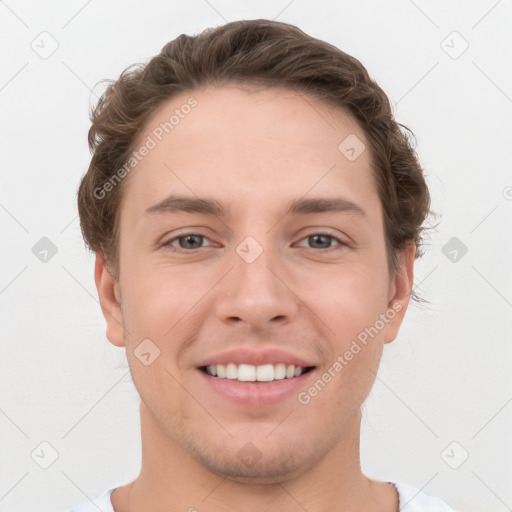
x=258, y=293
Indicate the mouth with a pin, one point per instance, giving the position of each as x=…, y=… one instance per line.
x=254, y=386
x=253, y=373
x=255, y=378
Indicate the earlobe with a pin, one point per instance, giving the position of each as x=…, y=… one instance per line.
x=400, y=290
x=110, y=301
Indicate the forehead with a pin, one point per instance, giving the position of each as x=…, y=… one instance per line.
x=240, y=114
x=254, y=143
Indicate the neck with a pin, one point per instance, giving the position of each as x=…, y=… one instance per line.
x=171, y=479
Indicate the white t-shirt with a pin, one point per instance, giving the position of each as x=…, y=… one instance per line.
x=411, y=500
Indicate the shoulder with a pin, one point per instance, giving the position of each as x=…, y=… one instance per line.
x=101, y=504
x=415, y=500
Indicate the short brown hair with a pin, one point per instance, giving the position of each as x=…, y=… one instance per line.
x=258, y=52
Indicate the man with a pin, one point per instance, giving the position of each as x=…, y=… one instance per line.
x=255, y=211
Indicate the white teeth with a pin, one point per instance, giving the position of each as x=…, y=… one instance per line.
x=251, y=373
x=231, y=371
x=246, y=372
x=279, y=371
x=221, y=371
x=265, y=373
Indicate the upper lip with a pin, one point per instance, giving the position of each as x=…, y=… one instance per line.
x=255, y=357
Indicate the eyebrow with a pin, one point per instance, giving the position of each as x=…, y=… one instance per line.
x=206, y=206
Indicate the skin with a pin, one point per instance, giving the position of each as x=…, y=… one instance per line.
x=254, y=150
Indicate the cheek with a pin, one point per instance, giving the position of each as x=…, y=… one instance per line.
x=157, y=317
x=347, y=300
x=157, y=299
x=349, y=303
x=164, y=305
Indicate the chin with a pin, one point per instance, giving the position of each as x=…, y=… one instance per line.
x=263, y=472
x=272, y=465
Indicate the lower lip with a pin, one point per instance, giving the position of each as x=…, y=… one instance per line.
x=256, y=394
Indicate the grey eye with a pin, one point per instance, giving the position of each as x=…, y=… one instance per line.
x=320, y=241
x=190, y=241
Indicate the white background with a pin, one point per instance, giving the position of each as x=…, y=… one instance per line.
x=446, y=378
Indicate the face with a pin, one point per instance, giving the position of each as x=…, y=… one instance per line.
x=251, y=245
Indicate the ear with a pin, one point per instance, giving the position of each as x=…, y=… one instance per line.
x=400, y=291
x=110, y=301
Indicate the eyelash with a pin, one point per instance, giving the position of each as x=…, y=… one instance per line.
x=203, y=237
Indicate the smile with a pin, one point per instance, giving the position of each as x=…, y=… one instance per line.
x=252, y=373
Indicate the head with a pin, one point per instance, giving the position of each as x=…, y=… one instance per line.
x=299, y=201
